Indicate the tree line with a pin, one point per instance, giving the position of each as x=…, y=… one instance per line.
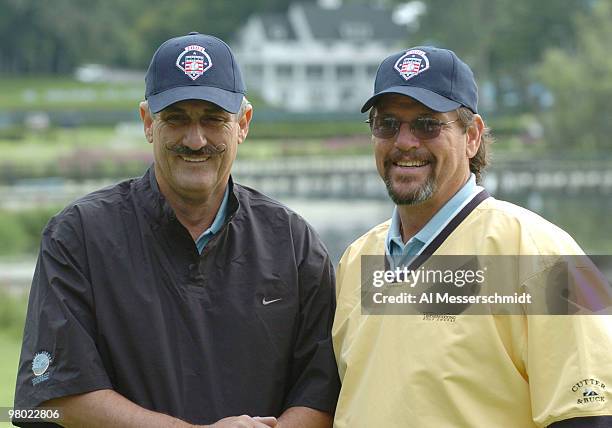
x=55, y=36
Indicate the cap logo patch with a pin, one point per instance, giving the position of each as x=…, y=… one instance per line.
x=413, y=62
x=194, y=61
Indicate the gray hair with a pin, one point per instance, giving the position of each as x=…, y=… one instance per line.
x=244, y=104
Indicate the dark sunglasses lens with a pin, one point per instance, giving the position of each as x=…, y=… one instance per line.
x=384, y=127
x=426, y=128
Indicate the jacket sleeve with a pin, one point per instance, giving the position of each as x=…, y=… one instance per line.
x=568, y=356
x=59, y=356
x=314, y=374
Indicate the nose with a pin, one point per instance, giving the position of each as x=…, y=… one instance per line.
x=195, y=137
x=405, y=139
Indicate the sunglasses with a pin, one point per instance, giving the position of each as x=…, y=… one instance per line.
x=423, y=128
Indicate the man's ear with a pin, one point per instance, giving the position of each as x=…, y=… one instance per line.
x=474, y=136
x=147, y=121
x=244, y=123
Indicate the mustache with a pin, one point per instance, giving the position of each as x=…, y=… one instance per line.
x=207, y=150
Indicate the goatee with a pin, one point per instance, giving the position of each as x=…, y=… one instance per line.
x=412, y=197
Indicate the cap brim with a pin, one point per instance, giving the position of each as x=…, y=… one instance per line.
x=229, y=101
x=430, y=99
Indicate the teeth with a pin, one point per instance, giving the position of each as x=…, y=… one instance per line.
x=195, y=158
x=412, y=163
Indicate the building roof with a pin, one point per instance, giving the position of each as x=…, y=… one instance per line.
x=352, y=22
x=277, y=26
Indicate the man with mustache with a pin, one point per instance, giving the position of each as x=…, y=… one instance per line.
x=182, y=298
x=417, y=369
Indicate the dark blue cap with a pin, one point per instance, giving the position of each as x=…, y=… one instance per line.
x=194, y=67
x=434, y=77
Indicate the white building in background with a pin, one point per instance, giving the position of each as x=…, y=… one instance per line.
x=317, y=57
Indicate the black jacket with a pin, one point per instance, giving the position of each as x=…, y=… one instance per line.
x=121, y=299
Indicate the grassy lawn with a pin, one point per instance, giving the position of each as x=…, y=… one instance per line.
x=10, y=347
x=12, y=318
x=61, y=148
x=52, y=92
x=272, y=134
x=35, y=148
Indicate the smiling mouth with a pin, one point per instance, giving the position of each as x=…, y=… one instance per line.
x=194, y=159
x=411, y=164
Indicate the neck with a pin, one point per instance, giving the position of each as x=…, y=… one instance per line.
x=196, y=215
x=415, y=217
x=197, y=218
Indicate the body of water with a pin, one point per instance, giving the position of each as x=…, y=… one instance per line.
x=586, y=216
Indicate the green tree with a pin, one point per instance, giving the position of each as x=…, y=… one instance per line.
x=502, y=40
x=54, y=36
x=580, y=80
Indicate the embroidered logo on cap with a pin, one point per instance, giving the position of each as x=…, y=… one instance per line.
x=194, y=61
x=412, y=63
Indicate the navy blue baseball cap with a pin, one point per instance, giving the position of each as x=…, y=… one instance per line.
x=433, y=76
x=194, y=67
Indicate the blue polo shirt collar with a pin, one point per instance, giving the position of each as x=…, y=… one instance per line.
x=216, y=225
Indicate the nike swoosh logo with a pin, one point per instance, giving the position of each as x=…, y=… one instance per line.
x=267, y=302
